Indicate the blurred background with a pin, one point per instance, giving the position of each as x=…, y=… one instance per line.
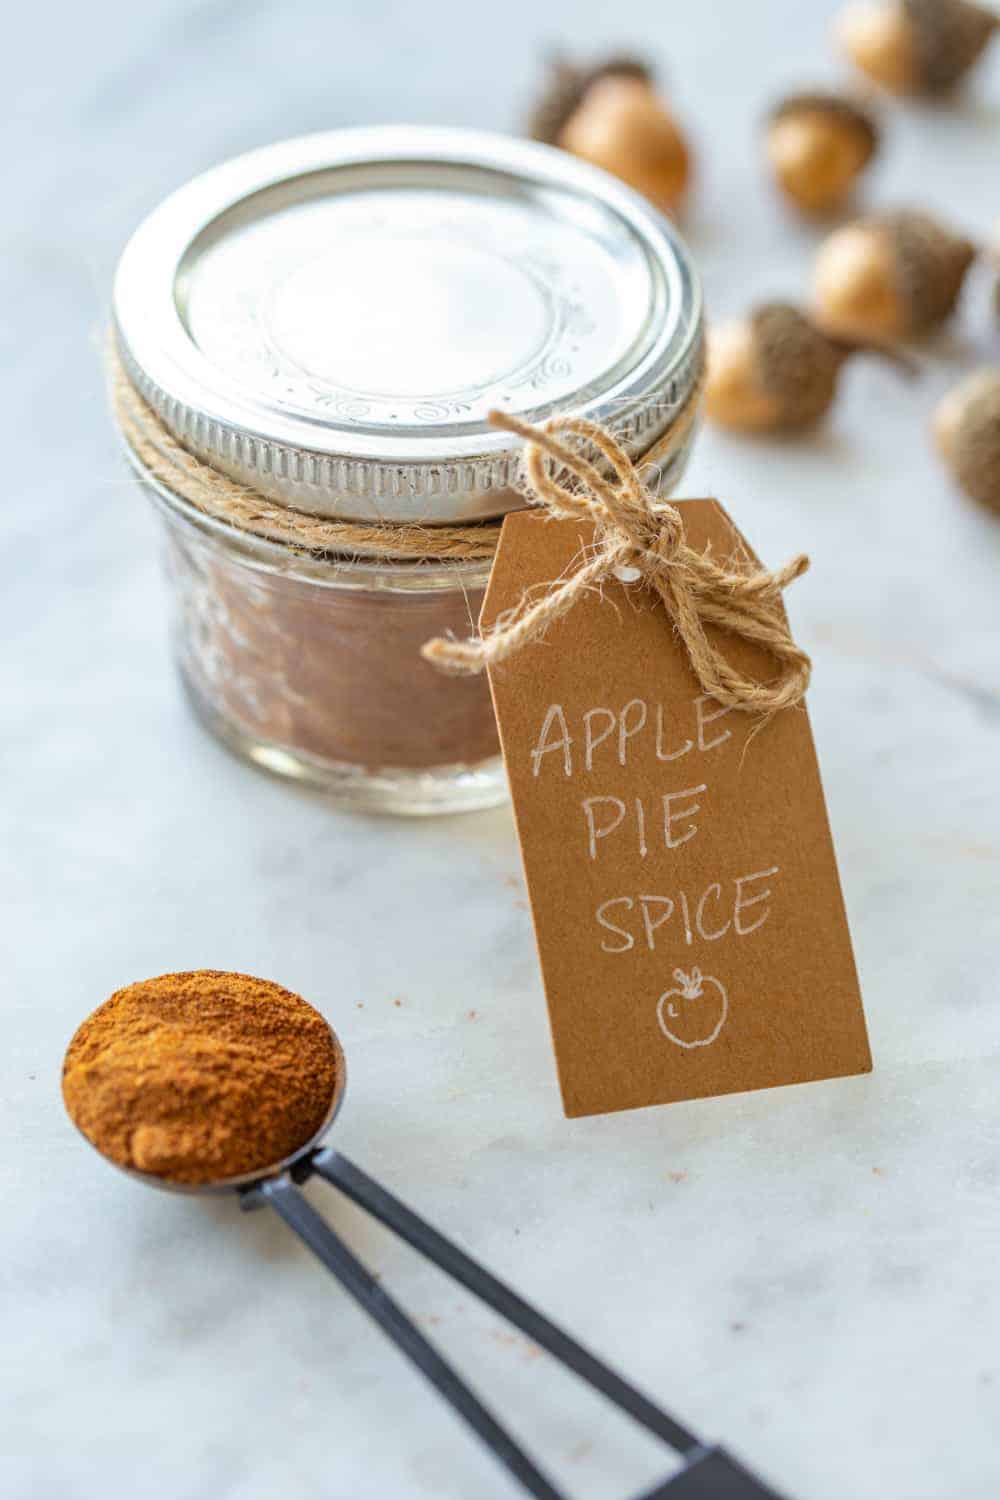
x=132, y=844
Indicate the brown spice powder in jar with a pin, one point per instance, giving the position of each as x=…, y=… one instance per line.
x=200, y=1076
x=331, y=669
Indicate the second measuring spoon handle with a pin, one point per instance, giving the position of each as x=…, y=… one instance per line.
x=282, y=1194
x=384, y=1206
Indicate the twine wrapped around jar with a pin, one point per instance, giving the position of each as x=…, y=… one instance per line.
x=167, y=461
x=635, y=530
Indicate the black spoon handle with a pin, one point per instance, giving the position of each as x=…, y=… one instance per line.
x=285, y=1197
x=379, y=1202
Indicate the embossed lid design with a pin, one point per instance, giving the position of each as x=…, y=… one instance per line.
x=329, y=320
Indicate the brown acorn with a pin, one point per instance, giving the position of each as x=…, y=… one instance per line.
x=967, y=430
x=774, y=370
x=612, y=116
x=817, y=144
x=889, y=276
x=916, y=46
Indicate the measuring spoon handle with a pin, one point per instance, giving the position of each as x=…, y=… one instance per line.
x=388, y=1209
x=282, y=1194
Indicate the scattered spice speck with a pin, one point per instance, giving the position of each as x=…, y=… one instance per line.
x=517, y=1341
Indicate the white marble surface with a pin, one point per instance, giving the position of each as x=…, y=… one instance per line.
x=809, y=1274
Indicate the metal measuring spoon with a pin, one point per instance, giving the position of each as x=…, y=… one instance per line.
x=708, y=1472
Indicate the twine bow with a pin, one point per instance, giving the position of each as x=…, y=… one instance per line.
x=637, y=532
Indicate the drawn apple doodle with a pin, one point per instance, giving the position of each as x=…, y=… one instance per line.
x=693, y=1013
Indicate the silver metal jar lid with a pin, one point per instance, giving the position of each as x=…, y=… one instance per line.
x=330, y=320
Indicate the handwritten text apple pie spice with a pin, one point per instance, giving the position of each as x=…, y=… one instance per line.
x=683, y=885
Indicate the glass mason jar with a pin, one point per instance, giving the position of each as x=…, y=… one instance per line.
x=320, y=329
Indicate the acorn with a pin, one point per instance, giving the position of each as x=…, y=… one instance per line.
x=774, y=370
x=916, y=46
x=612, y=116
x=817, y=144
x=967, y=431
x=889, y=276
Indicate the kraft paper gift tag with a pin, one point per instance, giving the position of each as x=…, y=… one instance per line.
x=683, y=883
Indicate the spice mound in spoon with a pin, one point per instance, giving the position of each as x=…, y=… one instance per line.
x=200, y=1076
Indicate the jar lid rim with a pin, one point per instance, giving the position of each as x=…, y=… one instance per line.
x=226, y=295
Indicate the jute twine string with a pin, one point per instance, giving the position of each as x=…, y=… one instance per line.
x=167, y=461
x=635, y=531
x=215, y=494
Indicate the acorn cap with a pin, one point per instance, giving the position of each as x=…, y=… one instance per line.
x=794, y=361
x=836, y=107
x=974, y=445
x=948, y=37
x=566, y=86
x=930, y=265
